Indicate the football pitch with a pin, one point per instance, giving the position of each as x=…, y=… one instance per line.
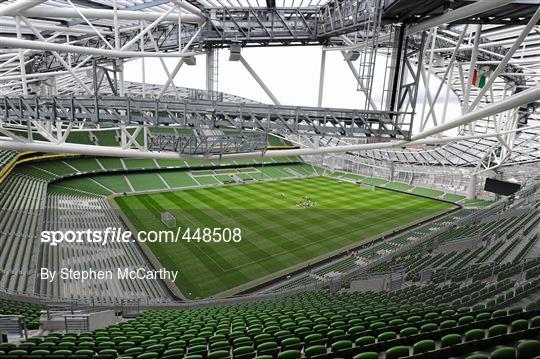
x=284, y=225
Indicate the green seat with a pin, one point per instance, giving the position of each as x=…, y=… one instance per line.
x=267, y=348
x=356, y=329
x=291, y=343
x=315, y=350
x=408, y=331
x=519, y=325
x=535, y=322
x=423, y=346
x=528, y=349
x=314, y=338
x=414, y=319
x=386, y=336
x=449, y=323
x=377, y=325
x=499, y=313
x=396, y=322
x=333, y=334
x=450, y=340
x=341, y=345
x=467, y=319
x=399, y=351
x=503, y=353
x=474, y=334
x=497, y=329
x=365, y=340
x=245, y=351
x=482, y=316
x=429, y=327
x=290, y=354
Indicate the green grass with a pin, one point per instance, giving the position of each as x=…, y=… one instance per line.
x=276, y=233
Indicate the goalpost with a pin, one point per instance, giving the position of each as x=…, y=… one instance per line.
x=168, y=219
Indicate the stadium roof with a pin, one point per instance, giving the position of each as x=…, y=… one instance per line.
x=67, y=40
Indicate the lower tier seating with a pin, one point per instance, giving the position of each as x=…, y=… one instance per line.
x=306, y=325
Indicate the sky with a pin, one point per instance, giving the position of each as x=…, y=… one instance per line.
x=291, y=73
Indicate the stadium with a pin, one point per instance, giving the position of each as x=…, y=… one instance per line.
x=144, y=219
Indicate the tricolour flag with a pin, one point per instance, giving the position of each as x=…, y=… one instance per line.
x=478, y=79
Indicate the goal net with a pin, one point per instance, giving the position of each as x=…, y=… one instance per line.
x=168, y=219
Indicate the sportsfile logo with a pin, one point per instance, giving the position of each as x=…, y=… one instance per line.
x=109, y=235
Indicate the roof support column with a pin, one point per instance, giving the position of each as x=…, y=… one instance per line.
x=321, y=78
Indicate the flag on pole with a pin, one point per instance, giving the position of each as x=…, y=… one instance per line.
x=478, y=79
